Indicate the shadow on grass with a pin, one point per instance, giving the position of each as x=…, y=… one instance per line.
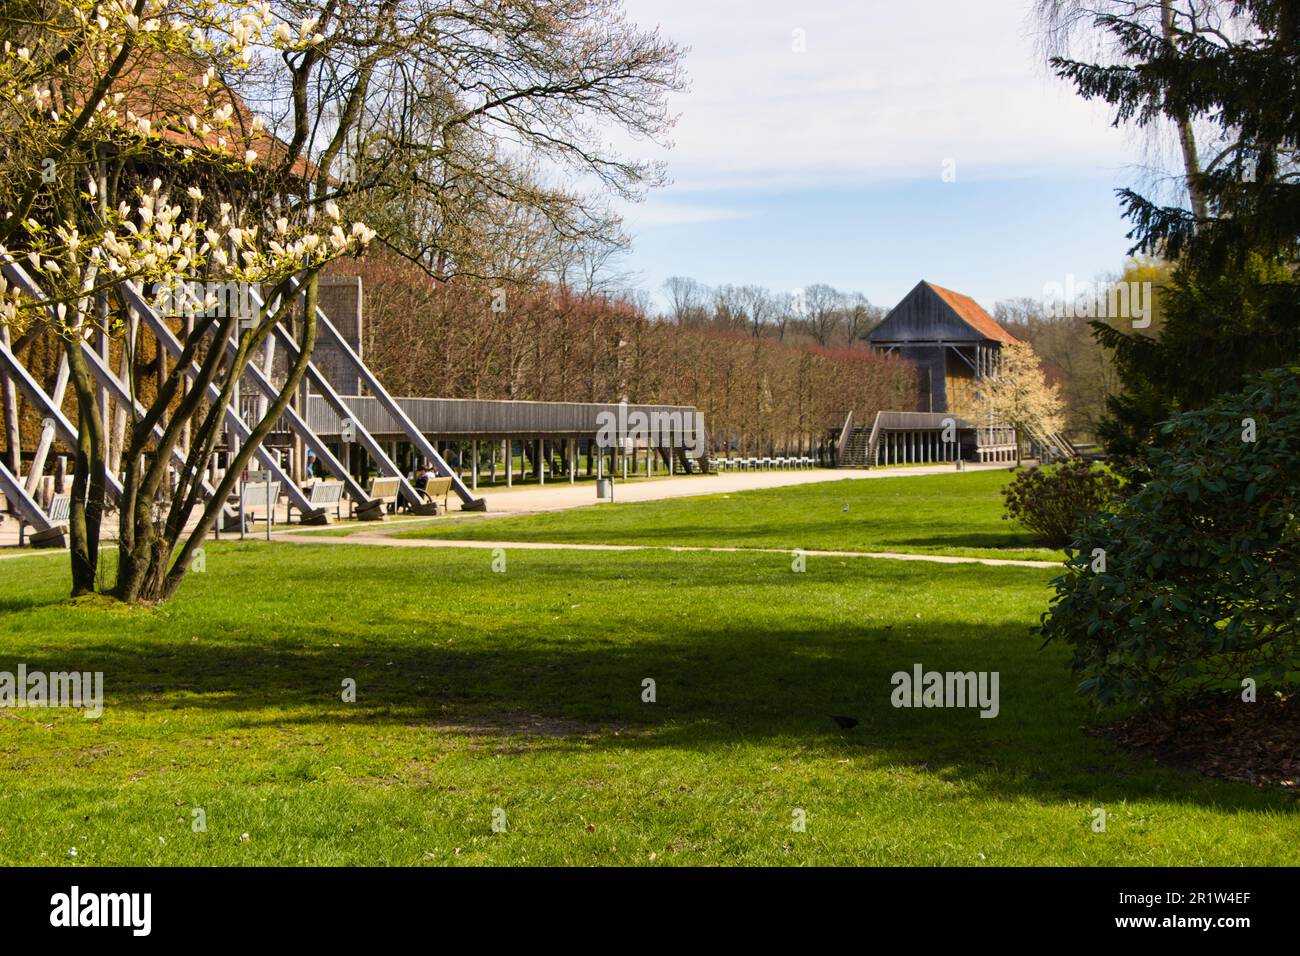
x=832, y=535
x=716, y=689
x=557, y=651
x=984, y=542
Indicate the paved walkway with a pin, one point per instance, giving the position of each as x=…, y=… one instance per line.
x=386, y=540
x=561, y=496
x=558, y=496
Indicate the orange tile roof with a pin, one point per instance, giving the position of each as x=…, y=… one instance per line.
x=973, y=314
x=161, y=87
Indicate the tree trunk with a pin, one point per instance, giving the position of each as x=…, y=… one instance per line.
x=155, y=573
x=117, y=438
x=86, y=512
x=1186, y=135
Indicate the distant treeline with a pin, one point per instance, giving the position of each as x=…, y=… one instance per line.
x=469, y=339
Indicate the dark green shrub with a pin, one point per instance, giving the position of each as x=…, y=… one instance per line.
x=1052, y=504
x=1191, y=584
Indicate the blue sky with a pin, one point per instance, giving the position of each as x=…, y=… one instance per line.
x=827, y=164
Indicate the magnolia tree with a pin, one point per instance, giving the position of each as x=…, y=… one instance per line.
x=1017, y=394
x=132, y=162
x=87, y=227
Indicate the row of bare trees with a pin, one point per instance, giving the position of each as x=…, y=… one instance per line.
x=819, y=314
x=545, y=342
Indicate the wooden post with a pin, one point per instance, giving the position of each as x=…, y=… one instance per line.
x=13, y=437
x=47, y=434
x=539, y=462
x=232, y=439
x=474, y=452
x=510, y=463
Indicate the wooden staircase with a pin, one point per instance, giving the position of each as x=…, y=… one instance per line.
x=858, y=450
x=1052, y=446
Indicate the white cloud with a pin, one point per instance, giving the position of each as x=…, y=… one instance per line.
x=884, y=91
x=657, y=213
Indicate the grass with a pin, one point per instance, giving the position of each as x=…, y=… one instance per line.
x=952, y=514
x=522, y=691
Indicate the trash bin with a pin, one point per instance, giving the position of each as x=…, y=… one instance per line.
x=605, y=488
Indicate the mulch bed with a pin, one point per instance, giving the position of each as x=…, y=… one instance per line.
x=1223, y=737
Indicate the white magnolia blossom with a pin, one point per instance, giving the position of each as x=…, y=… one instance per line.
x=150, y=240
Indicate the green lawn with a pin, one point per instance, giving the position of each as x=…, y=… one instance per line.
x=522, y=691
x=951, y=514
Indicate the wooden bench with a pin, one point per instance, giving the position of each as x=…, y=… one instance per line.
x=259, y=496
x=438, y=488
x=60, y=507
x=383, y=494
x=322, y=495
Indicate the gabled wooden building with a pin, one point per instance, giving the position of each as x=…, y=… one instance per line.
x=946, y=335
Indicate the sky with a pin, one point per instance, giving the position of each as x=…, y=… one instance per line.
x=905, y=141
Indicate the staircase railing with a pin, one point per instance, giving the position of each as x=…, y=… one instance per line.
x=873, y=443
x=843, y=442
x=1057, y=443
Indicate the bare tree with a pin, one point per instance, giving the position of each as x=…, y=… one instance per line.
x=860, y=317
x=688, y=300
x=729, y=309
x=1068, y=26
x=824, y=304
x=760, y=305
x=785, y=308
